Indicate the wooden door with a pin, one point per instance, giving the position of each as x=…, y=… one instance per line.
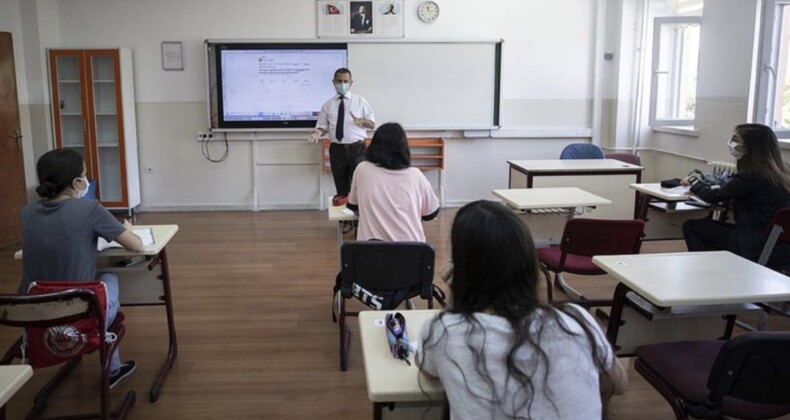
x=12, y=169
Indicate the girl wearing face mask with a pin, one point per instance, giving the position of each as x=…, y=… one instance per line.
x=60, y=231
x=758, y=190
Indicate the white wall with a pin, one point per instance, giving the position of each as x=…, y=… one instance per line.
x=547, y=82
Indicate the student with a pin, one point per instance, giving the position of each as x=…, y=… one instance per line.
x=759, y=189
x=60, y=232
x=392, y=197
x=346, y=118
x=498, y=352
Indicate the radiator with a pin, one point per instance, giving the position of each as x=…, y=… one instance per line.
x=718, y=167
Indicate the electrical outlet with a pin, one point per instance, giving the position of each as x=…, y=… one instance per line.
x=149, y=169
x=201, y=136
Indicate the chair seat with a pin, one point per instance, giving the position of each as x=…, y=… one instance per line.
x=688, y=375
x=575, y=264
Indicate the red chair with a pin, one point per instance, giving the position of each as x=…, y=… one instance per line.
x=625, y=157
x=583, y=239
x=53, y=310
x=746, y=377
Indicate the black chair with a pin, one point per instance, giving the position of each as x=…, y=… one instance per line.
x=382, y=275
x=745, y=377
x=53, y=310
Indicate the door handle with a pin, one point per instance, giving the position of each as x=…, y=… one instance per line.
x=17, y=136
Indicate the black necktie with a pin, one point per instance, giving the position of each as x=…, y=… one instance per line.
x=341, y=115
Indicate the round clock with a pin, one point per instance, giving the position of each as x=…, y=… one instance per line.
x=428, y=11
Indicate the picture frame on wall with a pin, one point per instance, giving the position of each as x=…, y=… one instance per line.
x=172, y=56
x=359, y=18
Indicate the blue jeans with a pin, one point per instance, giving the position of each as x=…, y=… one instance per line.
x=110, y=281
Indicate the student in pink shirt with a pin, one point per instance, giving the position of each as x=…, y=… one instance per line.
x=391, y=197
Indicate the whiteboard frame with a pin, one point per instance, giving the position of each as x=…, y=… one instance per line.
x=496, y=125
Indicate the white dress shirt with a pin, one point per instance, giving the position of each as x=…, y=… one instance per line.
x=355, y=106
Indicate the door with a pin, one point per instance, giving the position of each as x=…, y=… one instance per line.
x=12, y=169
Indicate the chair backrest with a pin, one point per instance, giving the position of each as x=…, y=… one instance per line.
x=387, y=266
x=582, y=151
x=778, y=232
x=48, y=309
x=590, y=237
x=625, y=157
x=754, y=367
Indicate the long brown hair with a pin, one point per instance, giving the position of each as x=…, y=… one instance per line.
x=762, y=154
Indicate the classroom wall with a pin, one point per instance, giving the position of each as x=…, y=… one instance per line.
x=725, y=65
x=547, y=81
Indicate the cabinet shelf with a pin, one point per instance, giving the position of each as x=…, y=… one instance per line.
x=70, y=114
x=108, y=145
x=426, y=162
x=68, y=81
x=106, y=114
x=104, y=81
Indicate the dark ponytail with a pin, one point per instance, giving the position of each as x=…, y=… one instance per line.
x=56, y=171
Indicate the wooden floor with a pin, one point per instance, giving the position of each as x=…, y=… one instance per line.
x=252, y=295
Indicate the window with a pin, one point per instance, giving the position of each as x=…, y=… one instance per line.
x=673, y=87
x=773, y=88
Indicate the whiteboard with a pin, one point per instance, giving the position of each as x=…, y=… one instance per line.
x=428, y=85
x=423, y=85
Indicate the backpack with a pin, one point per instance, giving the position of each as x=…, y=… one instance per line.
x=57, y=344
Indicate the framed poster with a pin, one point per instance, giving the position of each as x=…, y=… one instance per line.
x=359, y=19
x=172, y=56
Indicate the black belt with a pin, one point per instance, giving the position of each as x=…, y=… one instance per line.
x=347, y=145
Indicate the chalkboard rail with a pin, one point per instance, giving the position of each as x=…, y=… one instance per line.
x=426, y=153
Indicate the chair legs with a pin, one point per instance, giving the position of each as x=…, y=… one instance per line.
x=662, y=388
x=345, y=335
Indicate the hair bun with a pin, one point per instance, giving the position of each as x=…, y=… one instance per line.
x=47, y=189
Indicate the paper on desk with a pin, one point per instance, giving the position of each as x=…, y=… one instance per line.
x=146, y=235
x=680, y=190
x=348, y=212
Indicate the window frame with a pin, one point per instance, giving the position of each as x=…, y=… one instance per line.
x=658, y=23
x=768, y=62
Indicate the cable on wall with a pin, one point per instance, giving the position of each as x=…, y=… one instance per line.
x=204, y=148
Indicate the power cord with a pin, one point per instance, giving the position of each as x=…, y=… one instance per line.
x=204, y=148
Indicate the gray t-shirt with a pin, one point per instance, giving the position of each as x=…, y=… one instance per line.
x=59, y=239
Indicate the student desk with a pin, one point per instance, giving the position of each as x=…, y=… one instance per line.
x=672, y=209
x=538, y=204
x=340, y=214
x=390, y=380
x=12, y=377
x=683, y=288
x=144, y=284
x=604, y=177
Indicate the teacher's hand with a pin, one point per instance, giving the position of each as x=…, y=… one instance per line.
x=315, y=136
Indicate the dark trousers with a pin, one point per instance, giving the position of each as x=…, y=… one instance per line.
x=343, y=159
x=709, y=235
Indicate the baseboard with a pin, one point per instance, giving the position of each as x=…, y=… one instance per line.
x=196, y=207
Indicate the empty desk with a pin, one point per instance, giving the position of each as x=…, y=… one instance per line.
x=12, y=378
x=604, y=177
x=686, y=294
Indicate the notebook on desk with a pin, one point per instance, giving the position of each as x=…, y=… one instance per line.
x=146, y=235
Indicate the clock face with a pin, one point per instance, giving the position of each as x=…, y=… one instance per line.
x=428, y=11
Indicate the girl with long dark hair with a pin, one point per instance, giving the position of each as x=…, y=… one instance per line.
x=759, y=189
x=499, y=352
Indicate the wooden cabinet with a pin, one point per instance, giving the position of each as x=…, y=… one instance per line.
x=426, y=153
x=93, y=113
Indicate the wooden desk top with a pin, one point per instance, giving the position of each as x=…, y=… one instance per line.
x=574, y=165
x=339, y=213
x=655, y=190
x=390, y=379
x=162, y=235
x=12, y=377
x=543, y=198
x=696, y=278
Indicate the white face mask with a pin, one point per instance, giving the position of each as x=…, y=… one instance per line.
x=342, y=88
x=733, y=152
x=83, y=193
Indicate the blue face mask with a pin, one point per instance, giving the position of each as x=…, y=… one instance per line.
x=342, y=88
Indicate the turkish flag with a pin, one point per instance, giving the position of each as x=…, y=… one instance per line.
x=331, y=9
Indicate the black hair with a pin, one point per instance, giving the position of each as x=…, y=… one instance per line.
x=56, y=171
x=761, y=154
x=389, y=147
x=496, y=271
x=342, y=70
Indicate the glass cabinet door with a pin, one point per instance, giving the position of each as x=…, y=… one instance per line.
x=68, y=102
x=106, y=125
